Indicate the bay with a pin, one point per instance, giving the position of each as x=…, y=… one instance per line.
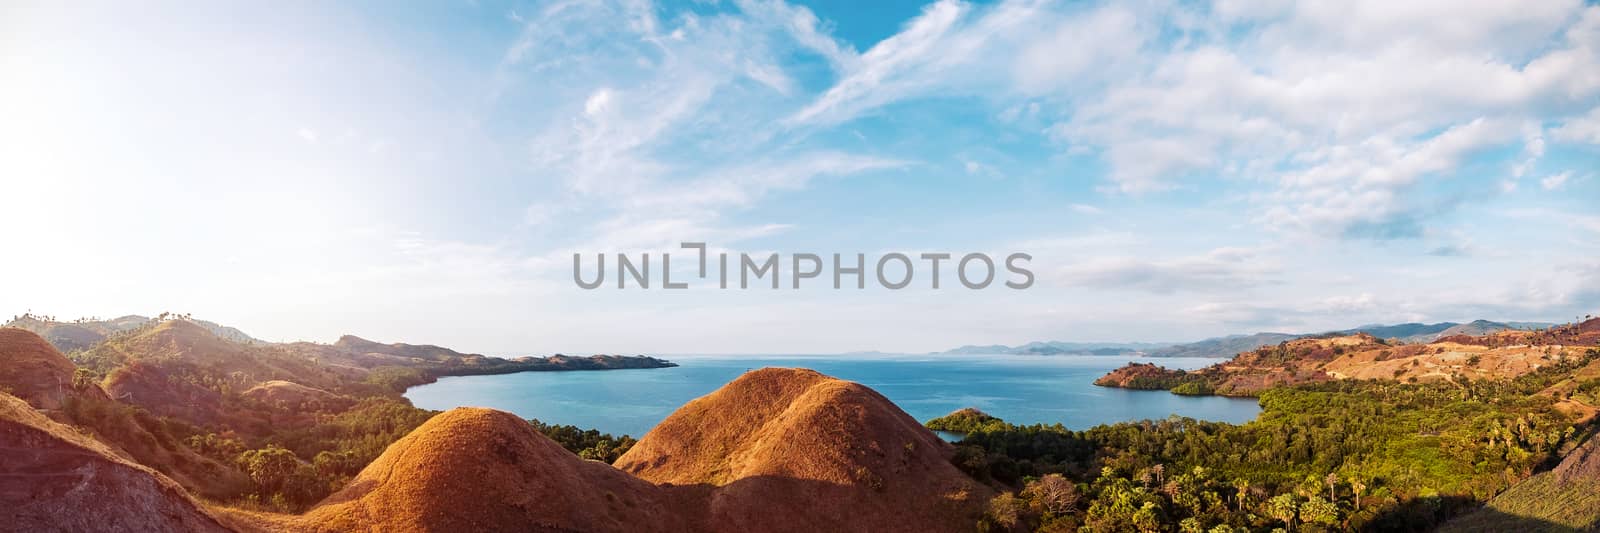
x=1022, y=389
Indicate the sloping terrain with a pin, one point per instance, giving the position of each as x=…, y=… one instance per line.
x=291, y=396
x=1566, y=498
x=54, y=479
x=794, y=450
x=427, y=352
x=43, y=377
x=33, y=370
x=484, y=470
x=182, y=370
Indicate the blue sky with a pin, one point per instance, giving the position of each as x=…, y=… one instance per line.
x=1177, y=169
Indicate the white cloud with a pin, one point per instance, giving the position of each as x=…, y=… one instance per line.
x=598, y=103
x=801, y=25
x=1580, y=129
x=1221, y=269
x=744, y=184
x=1555, y=181
x=892, y=68
x=1360, y=190
x=1079, y=49
x=974, y=168
x=1532, y=149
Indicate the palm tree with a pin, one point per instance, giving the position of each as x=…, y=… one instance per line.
x=1332, y=481
x=1244, y=489
x=1283, y=507
x=1357, y=487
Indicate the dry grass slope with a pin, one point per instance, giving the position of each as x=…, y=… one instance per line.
x=33, y=370
x=794, y=450
x=484, y=470
x=56, y=479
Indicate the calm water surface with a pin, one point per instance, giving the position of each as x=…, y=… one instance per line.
x=1020, y=389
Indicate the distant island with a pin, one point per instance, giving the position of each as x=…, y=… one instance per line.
x=1233, y=344
x=1059, y=348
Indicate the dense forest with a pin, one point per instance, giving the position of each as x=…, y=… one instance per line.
x=1342, y=455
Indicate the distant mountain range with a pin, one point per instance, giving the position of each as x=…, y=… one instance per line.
x=1231, y=345
x=1060, y=348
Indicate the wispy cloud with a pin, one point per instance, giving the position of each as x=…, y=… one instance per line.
x=1555, y=181
x=1218, y=270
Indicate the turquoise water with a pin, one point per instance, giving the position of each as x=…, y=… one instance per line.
x=1018, y=388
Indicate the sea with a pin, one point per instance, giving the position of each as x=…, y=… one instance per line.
x=1021, y=389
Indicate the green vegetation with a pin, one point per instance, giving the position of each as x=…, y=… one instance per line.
x=1168, y=381
x=966, y=421
x=1197, y=387
x=1343, y=455
x=587, y=443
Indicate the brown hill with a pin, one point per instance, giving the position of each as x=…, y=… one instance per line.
x=794, y=450
x=185, y=345
x=33, y=370
x=55, y=479
x=182, y=370
x=292, y=396
x=427, y=352
x=483, y=470
x=1586, y=333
